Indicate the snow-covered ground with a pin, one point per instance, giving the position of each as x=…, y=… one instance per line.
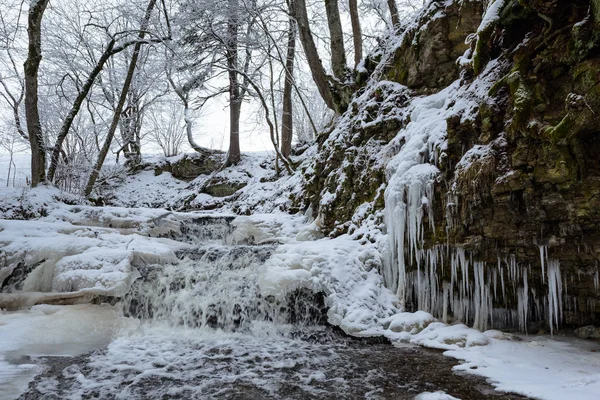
x=541, y=366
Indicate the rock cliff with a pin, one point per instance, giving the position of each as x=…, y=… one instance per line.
x=475, y=145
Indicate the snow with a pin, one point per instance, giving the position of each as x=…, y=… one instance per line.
x=111, y=242
x=491, y=15
x=438, y=335
x=439, y=395
x=147, y=190
x=341, y=268
x=80, y=251
x=410, y=322
x=544, y=367
x=366, y=276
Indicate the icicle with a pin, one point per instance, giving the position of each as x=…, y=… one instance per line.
x=502, y=281
x=481, y=297
x=445, y=303
x=408, y=196
x=543, y=257
x=495, y=280
x=555, y=308
x=523, y=304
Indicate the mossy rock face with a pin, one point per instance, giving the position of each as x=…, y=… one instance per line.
x=596, y=11
x=189, y=167
x=545, y=189
x=541, y=122
x=426, y=59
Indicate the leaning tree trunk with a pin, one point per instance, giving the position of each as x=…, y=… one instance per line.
x=117, y=114
x=356, y=31
x=235, y=102
x=338, y=52
x=298, y=8
x=394, y=13
x=81, y=96
x=287, y=120
x=32, y=115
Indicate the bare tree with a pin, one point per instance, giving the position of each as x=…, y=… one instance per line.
x=312, y=56
x=356, y=31
x=394, y=13
x=287, y=117
x=117, y=114
x=338, y=52
x=111, y=49
x=235, y=99
x=11, y=90
x=166, y=128
x=32, y=64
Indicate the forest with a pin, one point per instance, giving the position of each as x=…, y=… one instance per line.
x=291, y=199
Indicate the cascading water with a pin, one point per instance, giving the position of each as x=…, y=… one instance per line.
x=216, y=285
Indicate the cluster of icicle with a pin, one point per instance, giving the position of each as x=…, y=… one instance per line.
x=445, y=279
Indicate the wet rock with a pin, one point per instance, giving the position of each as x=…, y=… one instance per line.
x=427, y=57
x=588, y=332
x=541, y=186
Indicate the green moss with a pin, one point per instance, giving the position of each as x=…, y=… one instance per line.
x=562, y=131
x=482, y=46
x=556, y=165
x=522, y=99
x=223, y=189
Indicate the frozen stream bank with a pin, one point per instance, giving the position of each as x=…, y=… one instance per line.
x=217, y=306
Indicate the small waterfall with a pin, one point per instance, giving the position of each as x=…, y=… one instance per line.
x=216, y=284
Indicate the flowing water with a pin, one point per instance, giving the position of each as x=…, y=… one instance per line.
x=206, y=332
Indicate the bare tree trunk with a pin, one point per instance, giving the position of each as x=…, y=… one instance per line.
x=286, y=163
x=115, y=122
x=356, y=32
x=188, y=129
x=394, y=13
x=32, y=115
x=298, y=8
x=338, y=52
x=287, y=120
x=131, y=120
x=235, y=101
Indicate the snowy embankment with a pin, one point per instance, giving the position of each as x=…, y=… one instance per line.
x=77, y=252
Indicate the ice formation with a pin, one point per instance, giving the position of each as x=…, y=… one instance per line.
x=75, y=253
x=445, y=280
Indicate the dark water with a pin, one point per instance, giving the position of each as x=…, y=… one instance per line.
x=319, y=363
